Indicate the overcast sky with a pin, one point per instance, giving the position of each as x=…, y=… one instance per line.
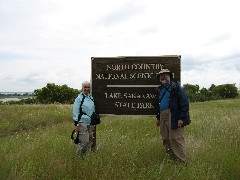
x=52, y=41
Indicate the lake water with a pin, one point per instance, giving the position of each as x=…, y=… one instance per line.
x=9, y=99
x=14, y=98
x=12, y=93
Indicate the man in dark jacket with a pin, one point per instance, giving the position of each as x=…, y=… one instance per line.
x=173, y=115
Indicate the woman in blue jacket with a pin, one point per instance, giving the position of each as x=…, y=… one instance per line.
x=83, y=108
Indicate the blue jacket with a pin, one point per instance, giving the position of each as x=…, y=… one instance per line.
x=88, y=108
x=178, y=104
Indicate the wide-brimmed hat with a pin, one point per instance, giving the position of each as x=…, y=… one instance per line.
x=164, y=71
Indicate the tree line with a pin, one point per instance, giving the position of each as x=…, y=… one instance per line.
x=63, y=94
x=224, y=91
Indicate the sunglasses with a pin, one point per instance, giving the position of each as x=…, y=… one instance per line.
x=86, y=86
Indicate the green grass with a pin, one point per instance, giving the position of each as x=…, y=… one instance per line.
x=128, y=147
x=14, y=118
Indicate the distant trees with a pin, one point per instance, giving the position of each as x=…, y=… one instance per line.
x=63, y=94
x=55, y=93
x=226, y=91
x=213, y=93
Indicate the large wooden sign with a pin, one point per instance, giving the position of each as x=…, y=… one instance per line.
x=127, y=85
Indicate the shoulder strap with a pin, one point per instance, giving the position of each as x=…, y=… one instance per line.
x=80, y=108
x=162, y=96
x=166, y=89
x=91, y=98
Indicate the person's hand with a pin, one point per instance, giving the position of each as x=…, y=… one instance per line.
x=158, y=123
x=180, y=123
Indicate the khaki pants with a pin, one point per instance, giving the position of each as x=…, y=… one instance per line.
x=85, y=138
x=173, y=139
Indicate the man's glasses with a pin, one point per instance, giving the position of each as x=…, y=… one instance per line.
x=86, y=86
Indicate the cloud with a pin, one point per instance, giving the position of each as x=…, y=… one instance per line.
x=150, y=30
x=52, y=41
x=225, y=71
x=8, y=56
x=218, y=39
x=121, y=14
x=29, y=75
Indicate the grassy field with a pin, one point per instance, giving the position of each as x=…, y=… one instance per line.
x=35, y=144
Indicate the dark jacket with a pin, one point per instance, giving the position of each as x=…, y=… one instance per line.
x=178, y=104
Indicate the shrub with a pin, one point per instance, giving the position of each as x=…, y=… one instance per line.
x=54, y=93
x=226, y=91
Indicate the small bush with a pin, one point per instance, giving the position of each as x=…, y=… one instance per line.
x=54, y=93
x=226, y=91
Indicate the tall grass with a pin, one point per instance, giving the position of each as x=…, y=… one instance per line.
x=14, y=118
x=128, y=147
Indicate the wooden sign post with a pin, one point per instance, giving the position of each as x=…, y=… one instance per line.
x=127, y=85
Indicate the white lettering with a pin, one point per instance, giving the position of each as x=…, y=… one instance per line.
x=113, y=95
x=144, y=105
x=99, y=76
x=142, y=66
x=111, y=76
x=138, y=96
